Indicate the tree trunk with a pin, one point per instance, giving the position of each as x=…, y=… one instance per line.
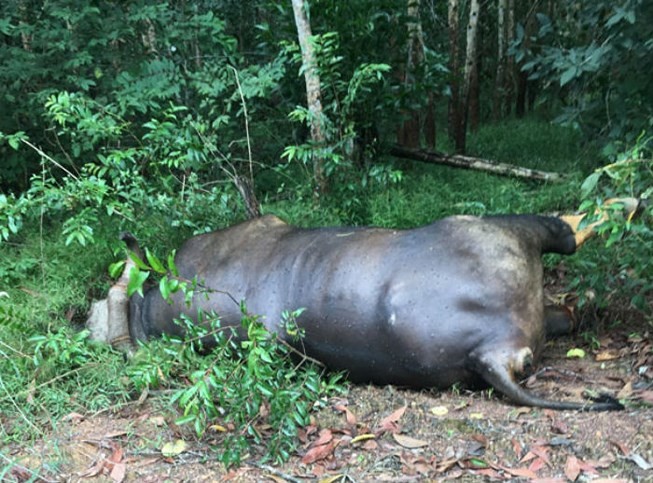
x=429, y=123
x=469, y=162
x=409, y=131
x=454, y=67
x=474, y=96
x=313, y=91
x=470, y=65
x=510, y=60
x=523, y=84
x=497, y=104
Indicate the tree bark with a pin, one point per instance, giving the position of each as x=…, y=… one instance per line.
x=524, y=86
x=497, y=104
x=410, y=129
x=454, y=67
x=469, y=162
x=470, y=66
x=509, y=81
x=474, y=96
x=429, y=123
x=313, y=91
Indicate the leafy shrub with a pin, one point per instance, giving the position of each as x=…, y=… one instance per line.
x=251, y=381
x=630, y=240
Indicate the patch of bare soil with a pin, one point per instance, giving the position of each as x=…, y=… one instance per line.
x=390, y=434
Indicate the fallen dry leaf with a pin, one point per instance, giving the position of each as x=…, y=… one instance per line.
x=542, y=453
x=517, y=447
x=390, y=424
x=73, y=417
x=157, y=421
x=622, y=447
x=607, y=355
x=324, y=437
x=351, y=419
x=522, y=472
x=644, y=396
x=488, y=473
x=572, y=468
x=536, y=465
x=117, y=454
x=408, y=442
x=319, y=452
x=118, y=472
x=370, y=445
x=94, y=470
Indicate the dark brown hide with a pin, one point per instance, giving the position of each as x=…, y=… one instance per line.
x=460, y=300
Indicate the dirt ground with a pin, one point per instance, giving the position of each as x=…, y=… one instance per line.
x=390, y=434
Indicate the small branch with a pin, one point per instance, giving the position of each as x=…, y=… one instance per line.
x=50, y=158
x=276, y=472
x=249, y=145
x=469, y=162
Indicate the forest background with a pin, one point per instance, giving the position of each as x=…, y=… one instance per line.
x=169, y=119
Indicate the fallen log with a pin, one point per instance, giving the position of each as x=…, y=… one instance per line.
x=469, y=162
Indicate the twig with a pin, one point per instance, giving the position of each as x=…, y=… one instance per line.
x=249, y=146
x=276, y=472
x=51, y=159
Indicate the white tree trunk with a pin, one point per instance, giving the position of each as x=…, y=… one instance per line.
x=313, y=88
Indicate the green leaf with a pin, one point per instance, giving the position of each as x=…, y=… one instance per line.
x=136, y=280
x=575, y=353
x=568, y=75
x=139, y=263
x=164, y=288
x=171, y=264
x=175, y=448
x=154, y=262
x=115, y=269
x=590, y=183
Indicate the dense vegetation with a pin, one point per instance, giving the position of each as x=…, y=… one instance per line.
x=169, y=119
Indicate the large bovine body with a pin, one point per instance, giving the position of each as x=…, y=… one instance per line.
x=460, y=300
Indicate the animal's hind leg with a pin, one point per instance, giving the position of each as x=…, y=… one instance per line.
x=558, y=321
x=631, y=206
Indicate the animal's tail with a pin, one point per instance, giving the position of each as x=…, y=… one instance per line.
x=499, y=372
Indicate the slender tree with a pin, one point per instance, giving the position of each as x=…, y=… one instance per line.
x=470, y=67
x=313, y=89
x=509, y=80
x=497, y=98
x=525, y=88
x=409, y=132
x=454, y=66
